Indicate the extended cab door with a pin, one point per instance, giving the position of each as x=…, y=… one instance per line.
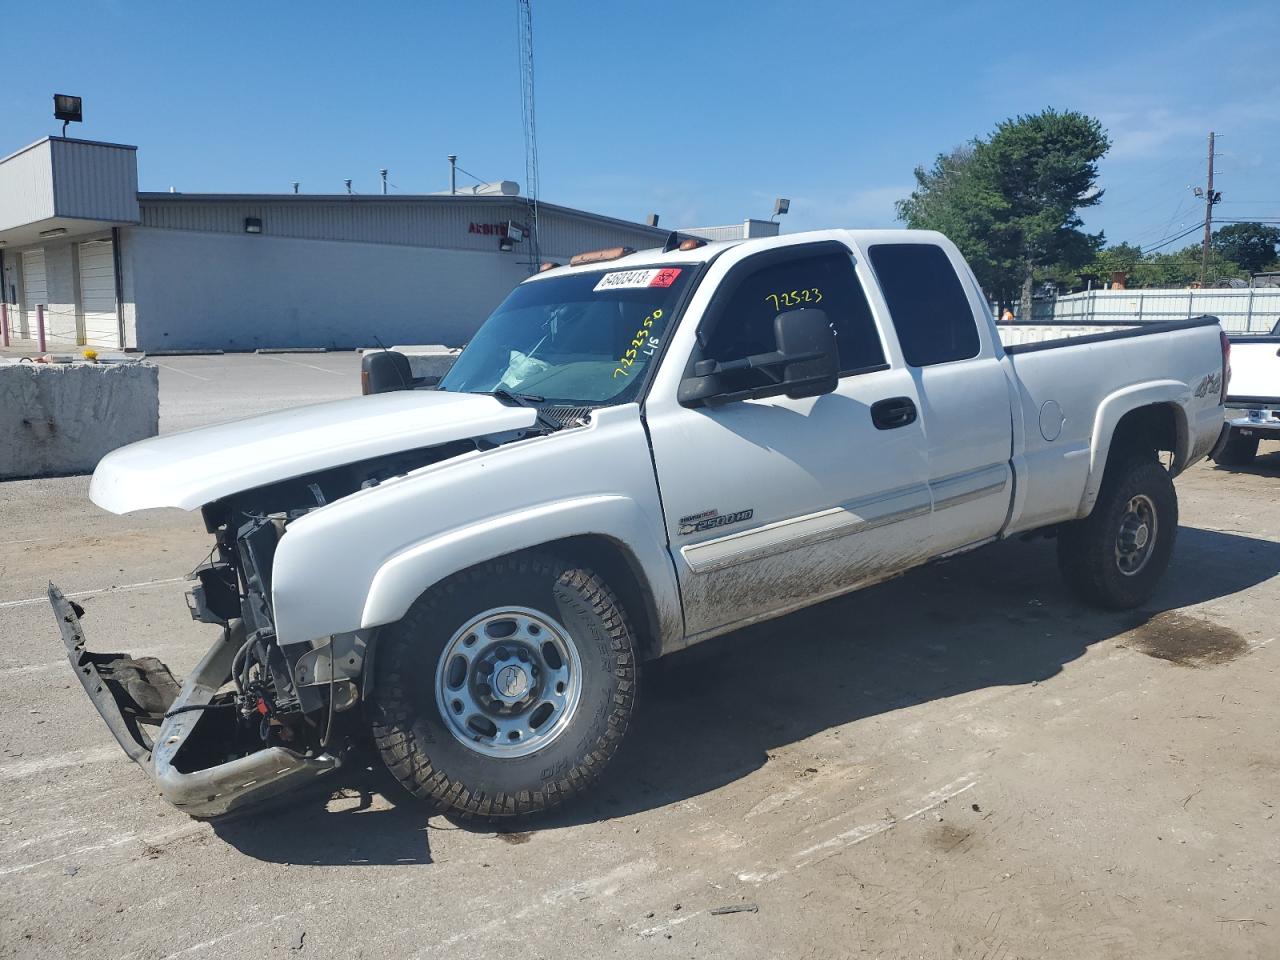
x=773, y=503
x=947, y=344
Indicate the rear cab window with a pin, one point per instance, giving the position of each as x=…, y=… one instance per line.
x=826, y=281
x=927, y=303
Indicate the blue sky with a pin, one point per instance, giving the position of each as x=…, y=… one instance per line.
x=702, y=112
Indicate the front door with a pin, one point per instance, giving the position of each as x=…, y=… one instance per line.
x=773, y=503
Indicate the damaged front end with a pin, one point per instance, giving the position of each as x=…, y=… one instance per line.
x=256, y=718
x=193, y=740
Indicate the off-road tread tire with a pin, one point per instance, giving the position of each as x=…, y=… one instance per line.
x=1238, y=451
x=395, y=712
x=1086, y=548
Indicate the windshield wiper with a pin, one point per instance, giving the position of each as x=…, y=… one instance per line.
x=527, y=400
x=519, y=399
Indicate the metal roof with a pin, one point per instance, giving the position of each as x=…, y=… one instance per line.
x=166, y=197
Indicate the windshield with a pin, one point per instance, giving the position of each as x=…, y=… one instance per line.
x=584, y=339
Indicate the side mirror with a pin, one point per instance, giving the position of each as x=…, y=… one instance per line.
x=386, y=370
x=812, y=357
x=806, y=363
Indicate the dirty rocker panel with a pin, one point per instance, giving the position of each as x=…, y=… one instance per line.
x=781, y=536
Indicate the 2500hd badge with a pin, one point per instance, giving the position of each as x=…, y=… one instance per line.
x=710, y=519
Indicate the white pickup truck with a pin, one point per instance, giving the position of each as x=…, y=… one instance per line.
x=636, y=452
x=1253, y=405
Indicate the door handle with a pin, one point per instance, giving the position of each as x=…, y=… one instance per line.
x=893, y=412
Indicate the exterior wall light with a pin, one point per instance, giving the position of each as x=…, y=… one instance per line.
x=252, y=224
x=506, y=244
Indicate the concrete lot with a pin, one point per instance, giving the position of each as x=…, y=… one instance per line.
x=196, y=390
x=962, y=763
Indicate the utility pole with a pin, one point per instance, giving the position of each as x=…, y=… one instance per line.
x=453, y=174
x=383, y=174
x=1208, y=218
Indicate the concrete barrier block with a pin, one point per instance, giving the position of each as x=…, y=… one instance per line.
x=61, y=419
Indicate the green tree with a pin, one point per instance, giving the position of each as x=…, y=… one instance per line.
x=1250, y=246
x=1173, y=268
x=951, y=197
x=1011, y=202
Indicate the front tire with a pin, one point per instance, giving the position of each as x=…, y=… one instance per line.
x=506, y=689
x=1115, y=557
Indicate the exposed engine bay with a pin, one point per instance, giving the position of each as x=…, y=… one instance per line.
x=255, y=716
x=284, y=695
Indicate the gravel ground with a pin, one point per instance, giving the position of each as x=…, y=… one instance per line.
x=961, y=763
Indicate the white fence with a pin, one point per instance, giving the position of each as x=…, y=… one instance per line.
x=1251, y=310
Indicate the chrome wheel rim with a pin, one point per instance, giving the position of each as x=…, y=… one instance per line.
x=508, y=682
x=1137, y=536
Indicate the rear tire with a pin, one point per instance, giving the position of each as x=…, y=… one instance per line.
x=1238, y=451
x=502, y=645
x=1114, y=558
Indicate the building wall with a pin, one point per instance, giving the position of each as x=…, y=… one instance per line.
x=457, y=223
x=95, y=181
x=26, y=186
x=199, y=290
x=76, y=179
x=60, y=314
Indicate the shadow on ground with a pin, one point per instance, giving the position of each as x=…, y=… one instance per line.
x=711, y=714
x=1265, y=464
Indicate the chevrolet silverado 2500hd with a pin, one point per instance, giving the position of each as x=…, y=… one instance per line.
x=636, y=452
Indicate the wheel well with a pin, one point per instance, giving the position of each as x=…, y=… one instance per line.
x=620, y=569
x=1145, y=430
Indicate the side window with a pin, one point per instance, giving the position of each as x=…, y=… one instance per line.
x=828, y=282
x=930, y=311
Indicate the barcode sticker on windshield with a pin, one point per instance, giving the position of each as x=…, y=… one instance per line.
x=638, y=279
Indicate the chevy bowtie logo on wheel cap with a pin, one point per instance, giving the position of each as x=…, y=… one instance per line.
x=710, y=519
x=512, y=682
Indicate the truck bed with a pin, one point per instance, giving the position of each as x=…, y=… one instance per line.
x=1068, y=386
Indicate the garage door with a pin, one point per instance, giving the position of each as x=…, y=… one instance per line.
x=98, y=294
x=35, y=289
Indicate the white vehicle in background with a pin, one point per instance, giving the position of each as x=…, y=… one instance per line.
x=635, y=453
x=1253, y=398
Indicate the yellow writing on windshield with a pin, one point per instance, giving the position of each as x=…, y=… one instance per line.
x=796, y=298
x=637, y=342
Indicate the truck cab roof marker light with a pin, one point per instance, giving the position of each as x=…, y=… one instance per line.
x=600, y=256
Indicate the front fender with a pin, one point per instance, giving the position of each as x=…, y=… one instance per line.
x=403, y=577
x=361, y=562
x=1113, y=408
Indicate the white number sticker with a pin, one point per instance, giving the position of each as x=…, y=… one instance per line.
x=637, y=279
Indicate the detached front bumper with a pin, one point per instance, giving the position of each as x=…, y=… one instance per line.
x=137, y=695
